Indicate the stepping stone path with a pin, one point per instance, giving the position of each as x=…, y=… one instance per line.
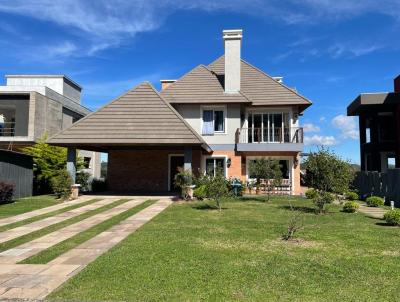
x=36, y=281
x=372, y=211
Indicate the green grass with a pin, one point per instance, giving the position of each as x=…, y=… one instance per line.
x=64, y=246
x=54, y=227
x=43, y=216
x=26, y=205
x=190, y=252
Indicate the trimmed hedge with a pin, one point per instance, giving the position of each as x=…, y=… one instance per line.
x=311, y=193
x=375, y=201
x=350, y=207
x=200, y=192
x=392, y=217
x=351, y=196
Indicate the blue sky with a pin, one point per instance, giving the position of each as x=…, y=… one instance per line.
x=329, y=50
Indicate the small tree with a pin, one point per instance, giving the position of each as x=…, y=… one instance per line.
x=48, y=160
x=268, y=169
x=326, y=172
x=295, y=224
x=217, y=188
x=61, y=184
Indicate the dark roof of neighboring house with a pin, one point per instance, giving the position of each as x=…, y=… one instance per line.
x=260, y=88
x=200, y=85
x=139, y=117
x=366, y=100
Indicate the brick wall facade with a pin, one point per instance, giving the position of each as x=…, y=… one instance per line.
x=238, y=164
x=142, y=170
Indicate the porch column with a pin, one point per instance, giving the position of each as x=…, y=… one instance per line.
x=71, y=163
x=188, y=155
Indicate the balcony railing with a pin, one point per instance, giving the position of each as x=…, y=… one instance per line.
x=269, y=135
x=7, y=129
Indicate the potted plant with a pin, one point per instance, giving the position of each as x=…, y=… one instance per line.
x=184, y=181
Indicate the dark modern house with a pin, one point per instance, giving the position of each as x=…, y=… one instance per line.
x=379, y=120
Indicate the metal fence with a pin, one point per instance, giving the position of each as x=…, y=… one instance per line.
x=17, y=168
x=385, y=184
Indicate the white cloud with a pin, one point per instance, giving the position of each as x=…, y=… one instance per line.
x=320, y=140
x=310, y=127
x=352, y=49
x=322, y=119
x=347, y=126
x=103, y=24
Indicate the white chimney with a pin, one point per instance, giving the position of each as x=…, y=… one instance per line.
x=232, y=42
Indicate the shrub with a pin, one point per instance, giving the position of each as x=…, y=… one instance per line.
x=311, y=193
x=350, y=207
x=82, y=178
x=99, y=185
x=6, y=191
x=61, y=184
x=321, y=200
x=200, y=192
x=351, y=196
x=392, y=217
x=375, y=201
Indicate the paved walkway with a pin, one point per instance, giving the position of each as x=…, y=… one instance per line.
x=36, y=281
x=42, y=211
x=372, y=211
x=40, y=224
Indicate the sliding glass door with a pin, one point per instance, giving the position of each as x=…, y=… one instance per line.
x=268, y=127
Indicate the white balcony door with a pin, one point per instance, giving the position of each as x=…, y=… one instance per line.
x=268, y=127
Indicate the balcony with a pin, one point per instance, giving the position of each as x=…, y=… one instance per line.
x=269, y=139
x=7, y=129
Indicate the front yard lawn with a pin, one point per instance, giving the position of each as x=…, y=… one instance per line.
x=191, y=253
x=26, y=205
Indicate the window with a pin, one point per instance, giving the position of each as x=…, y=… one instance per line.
x=214, y=165
x=213, y=121
x=284, y=167
x=219, y=121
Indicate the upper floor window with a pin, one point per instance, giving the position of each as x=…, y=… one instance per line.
x=213, y=121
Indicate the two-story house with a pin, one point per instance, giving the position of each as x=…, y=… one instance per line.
x=221, y=115
x=32, y=106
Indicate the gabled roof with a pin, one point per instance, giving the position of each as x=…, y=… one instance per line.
x=260, y=88
x=139, y=117
x=200, y=85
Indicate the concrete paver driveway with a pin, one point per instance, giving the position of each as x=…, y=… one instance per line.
x=36, y=281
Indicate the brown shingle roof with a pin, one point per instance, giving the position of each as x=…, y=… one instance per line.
x=200, y=85
x=139, y=117
x=260, y=88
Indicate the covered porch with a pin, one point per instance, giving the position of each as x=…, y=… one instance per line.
x=145, y=138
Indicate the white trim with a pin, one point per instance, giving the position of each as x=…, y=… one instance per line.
x=290, y=167
x=203, y=162
x=169, y=168
x=214, y=108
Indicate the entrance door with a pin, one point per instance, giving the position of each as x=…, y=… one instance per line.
x=176, y=162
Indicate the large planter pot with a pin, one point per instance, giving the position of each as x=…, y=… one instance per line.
x=187, y=192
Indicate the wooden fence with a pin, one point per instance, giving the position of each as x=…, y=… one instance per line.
x=385, y=184
x=17, y=168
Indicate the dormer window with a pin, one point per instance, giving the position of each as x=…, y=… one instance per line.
x=214, y=120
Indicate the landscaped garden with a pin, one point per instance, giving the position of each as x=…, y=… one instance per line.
x=192, y=251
